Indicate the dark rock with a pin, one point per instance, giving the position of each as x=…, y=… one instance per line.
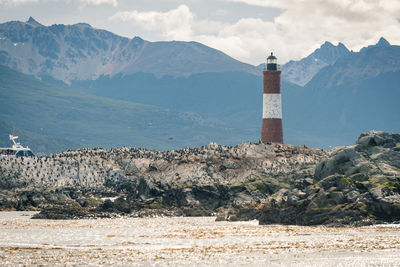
x=338, y=197
x=352, y=196
x=356, y=185
x=71, y=210
x=238, y=214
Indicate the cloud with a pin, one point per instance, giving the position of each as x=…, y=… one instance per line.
x=17, y=2
x=101, y=2
x=302, y=26
x=305, y=24
x=90, y=2
x=221, y=12
x=174, y=24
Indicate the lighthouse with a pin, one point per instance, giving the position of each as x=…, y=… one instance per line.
x=271, y=130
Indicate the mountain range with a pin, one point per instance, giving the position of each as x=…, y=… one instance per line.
x=370, y=62
x=302, y=71
x=80, y=52
x=68, y=86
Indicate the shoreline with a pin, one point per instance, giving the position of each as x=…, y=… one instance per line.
x=188, y=241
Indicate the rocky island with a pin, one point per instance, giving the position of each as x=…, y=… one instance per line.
x=274, y=183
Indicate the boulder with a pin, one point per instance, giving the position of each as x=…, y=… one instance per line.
x=354, y=185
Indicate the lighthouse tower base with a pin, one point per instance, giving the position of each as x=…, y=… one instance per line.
x=271, y=131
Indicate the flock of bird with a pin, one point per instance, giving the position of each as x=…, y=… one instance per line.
x=92, y=167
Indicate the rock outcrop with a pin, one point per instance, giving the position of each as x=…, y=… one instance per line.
x=358, y=184
x=274, y=183
x=191, y=182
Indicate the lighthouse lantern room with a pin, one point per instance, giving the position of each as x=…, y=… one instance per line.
x=272, y=62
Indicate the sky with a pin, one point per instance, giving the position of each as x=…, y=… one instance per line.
x=246, y=30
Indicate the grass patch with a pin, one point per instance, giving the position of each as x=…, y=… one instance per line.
x=264, y=185
x=93, y=202
x=156, y=205
x=326, y=204
x=392, y=185
x=345, y=182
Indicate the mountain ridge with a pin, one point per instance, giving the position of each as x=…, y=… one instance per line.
x=302, y=71
x=369, y=62
x=81, y=52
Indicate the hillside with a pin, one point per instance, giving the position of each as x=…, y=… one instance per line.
x=233, y=99
x=333, y=116
x=320, y=117
x=44, y=110
x=40, y=144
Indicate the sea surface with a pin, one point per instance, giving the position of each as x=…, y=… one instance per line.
x=190, y=241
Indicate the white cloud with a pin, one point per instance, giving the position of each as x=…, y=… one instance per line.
x=302, y=26
x=221, y=12
x=207, y=27
x=305, y=24
x=90, y=2
x=101, y=2
x=174, y=24
x=17, y=2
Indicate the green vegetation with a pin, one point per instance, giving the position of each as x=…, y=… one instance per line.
x=391, y=185
x=156, y=205
x=93, y=202
x=344, y=182
x=264, y=184
x=326, y=204
x=185, y=184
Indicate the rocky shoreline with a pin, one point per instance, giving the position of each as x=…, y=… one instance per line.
x=274, y=183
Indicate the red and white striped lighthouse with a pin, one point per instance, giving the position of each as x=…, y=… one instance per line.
x=271, y=130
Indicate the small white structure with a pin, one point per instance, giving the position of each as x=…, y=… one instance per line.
x=17, y=150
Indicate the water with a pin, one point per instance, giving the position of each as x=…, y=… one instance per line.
x=198, y=241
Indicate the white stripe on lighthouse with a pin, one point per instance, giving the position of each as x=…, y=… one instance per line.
x=272, y=106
